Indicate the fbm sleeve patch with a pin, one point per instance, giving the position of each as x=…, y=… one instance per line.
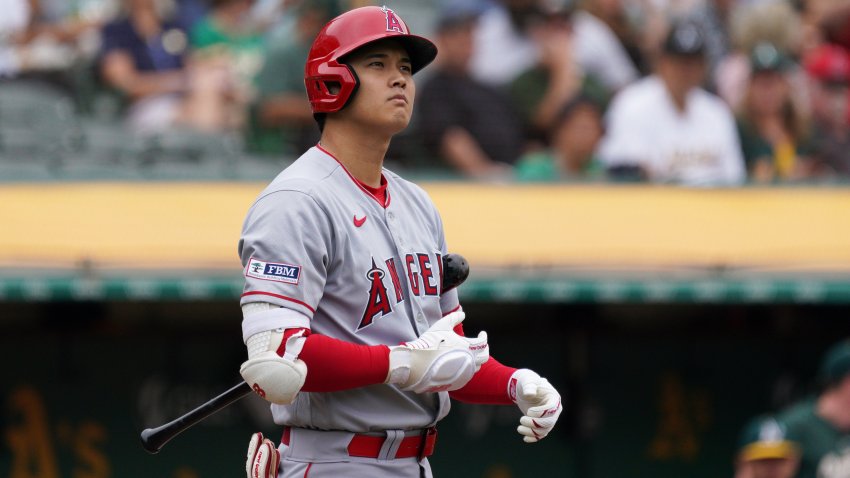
x=273, y=271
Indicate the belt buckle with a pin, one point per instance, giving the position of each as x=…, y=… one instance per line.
x=423, y=441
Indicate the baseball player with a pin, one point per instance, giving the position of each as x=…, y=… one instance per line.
x=765, y=450
x=349, y=334
x=820, y=422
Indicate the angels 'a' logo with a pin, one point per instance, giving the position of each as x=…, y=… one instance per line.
x=393, y=23
x=378, y=301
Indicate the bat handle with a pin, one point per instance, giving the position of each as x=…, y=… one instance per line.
x=153, y=439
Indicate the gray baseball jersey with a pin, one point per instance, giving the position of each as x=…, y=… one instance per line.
x=342, y=264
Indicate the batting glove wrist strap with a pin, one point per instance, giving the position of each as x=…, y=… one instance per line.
x=539, y=402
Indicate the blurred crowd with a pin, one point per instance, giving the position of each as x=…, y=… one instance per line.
x=808, y=438
x=695, y=92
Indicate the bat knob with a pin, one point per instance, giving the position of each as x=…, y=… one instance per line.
x=148, y=442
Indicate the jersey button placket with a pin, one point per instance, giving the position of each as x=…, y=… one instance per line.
x=420, y=322
x=393, y=225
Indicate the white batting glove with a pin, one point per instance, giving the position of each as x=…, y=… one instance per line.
x=263, y=458
x=539, y=401
x=442, y=332
x=439, y=360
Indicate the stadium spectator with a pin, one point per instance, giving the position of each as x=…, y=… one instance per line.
x=771, y=22
x=145, y=58
x=831, y=21
x=502, y=47
x=667, y=129
x=828, y=68
x=821, y=424
x=573, y=140
x=43, y=40
x=604, y=44
x=189, y=12
x=542, y=91
x=714, y=18
x=507, y=43
x=13, y=25
x=228, y=37
x=228, y=31
x=832, y=18
x=472, y=126
x=281, y=119
x=766, y=451
x=774, y=134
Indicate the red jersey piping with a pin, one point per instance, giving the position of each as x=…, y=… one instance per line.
x=384, y=204
x=258, y=292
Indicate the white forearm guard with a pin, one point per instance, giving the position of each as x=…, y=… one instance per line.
x=275, y=378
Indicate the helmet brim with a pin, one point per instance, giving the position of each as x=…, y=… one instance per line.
x=422, y=51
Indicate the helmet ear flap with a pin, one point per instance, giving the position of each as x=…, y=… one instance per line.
x=332, y=87
x=327, y=88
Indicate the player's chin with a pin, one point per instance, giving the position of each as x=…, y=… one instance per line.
x=398, y=121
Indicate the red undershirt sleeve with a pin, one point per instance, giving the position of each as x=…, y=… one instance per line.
x=334, y=365
x=489, y=386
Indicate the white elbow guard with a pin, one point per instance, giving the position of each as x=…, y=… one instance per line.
x=275, y=378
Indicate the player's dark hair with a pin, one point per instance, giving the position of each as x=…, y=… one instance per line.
x=320, y=120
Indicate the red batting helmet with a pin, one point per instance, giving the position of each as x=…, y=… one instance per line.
x=343, y=35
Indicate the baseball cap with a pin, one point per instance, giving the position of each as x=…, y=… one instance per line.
x=765, y=437
x=828, y=63
x=766, y=57
x=835, y=364
x=684, y=38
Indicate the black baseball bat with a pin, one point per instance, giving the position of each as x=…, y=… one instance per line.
x=455, y=271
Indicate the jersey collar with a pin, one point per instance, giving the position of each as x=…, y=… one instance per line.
x=374, y=193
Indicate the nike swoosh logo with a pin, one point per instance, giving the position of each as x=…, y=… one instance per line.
x=359, y=222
